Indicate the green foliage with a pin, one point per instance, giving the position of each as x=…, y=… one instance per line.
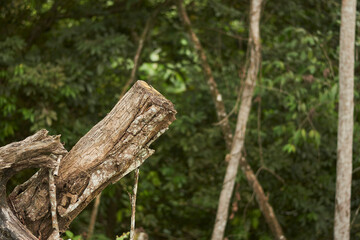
x=62, y=68
x=71, y=235
x=123, y=236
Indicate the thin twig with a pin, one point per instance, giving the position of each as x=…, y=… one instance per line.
x=248, y=204
x=276, y=90
x=329, y=61
x=216, y=95
x=259, y=130
x=355, y=215
x=308, y=117
x=271, y=172
x=228, y=34
x=137, y=57
x=56, y=170
x=133, y=205
x=52, y=195
x=356, y=170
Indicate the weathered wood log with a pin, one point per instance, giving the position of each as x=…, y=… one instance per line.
x=33, y=152
x=114, y=147
x=36, y=151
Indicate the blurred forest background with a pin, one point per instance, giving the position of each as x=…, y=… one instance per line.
x=65, y=63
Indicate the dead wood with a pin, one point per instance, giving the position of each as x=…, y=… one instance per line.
x=111, y=149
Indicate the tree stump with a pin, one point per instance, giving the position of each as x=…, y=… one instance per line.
x=115, y=146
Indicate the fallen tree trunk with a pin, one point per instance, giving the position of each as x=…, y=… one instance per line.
x=111, y=149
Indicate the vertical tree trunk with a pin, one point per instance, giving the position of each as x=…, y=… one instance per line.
x=239, y=138
x=345, y=124
x=224, y=202
x=93, y=217
x=215, y=93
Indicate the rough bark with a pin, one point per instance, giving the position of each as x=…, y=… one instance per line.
x=216, y=95
x=55, y=235
x=33, y=152
x=114, y=147
x=345, y=124
x=36, y=151
x=239, y=138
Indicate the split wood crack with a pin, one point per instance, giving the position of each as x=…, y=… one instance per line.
x=47, y=203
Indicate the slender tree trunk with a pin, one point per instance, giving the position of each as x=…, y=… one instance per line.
x=224, y=202
x=126, y=86
x=144, y=34
x=93, y=217
x=216, y=95
x=137, y=56
x=239, y=138
x=238, y=141
x=346, y=122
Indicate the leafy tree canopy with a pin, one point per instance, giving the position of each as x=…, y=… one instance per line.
x=63, y=64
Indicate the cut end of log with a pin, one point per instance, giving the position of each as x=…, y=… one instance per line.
x=158, y=98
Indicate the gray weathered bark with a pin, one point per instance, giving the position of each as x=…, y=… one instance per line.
x=36, y=151
x=346, y=122
x=114, y=147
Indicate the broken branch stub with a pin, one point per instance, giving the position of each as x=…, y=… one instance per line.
x=32, y=152
x=36, y=151
x=115, y=146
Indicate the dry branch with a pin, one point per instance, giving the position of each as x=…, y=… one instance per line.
x=133, y=204
x=32, y=152
x=114, y=147
x=36, y=151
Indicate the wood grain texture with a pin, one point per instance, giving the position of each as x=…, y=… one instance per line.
x=111, y=149
x=36, y=151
